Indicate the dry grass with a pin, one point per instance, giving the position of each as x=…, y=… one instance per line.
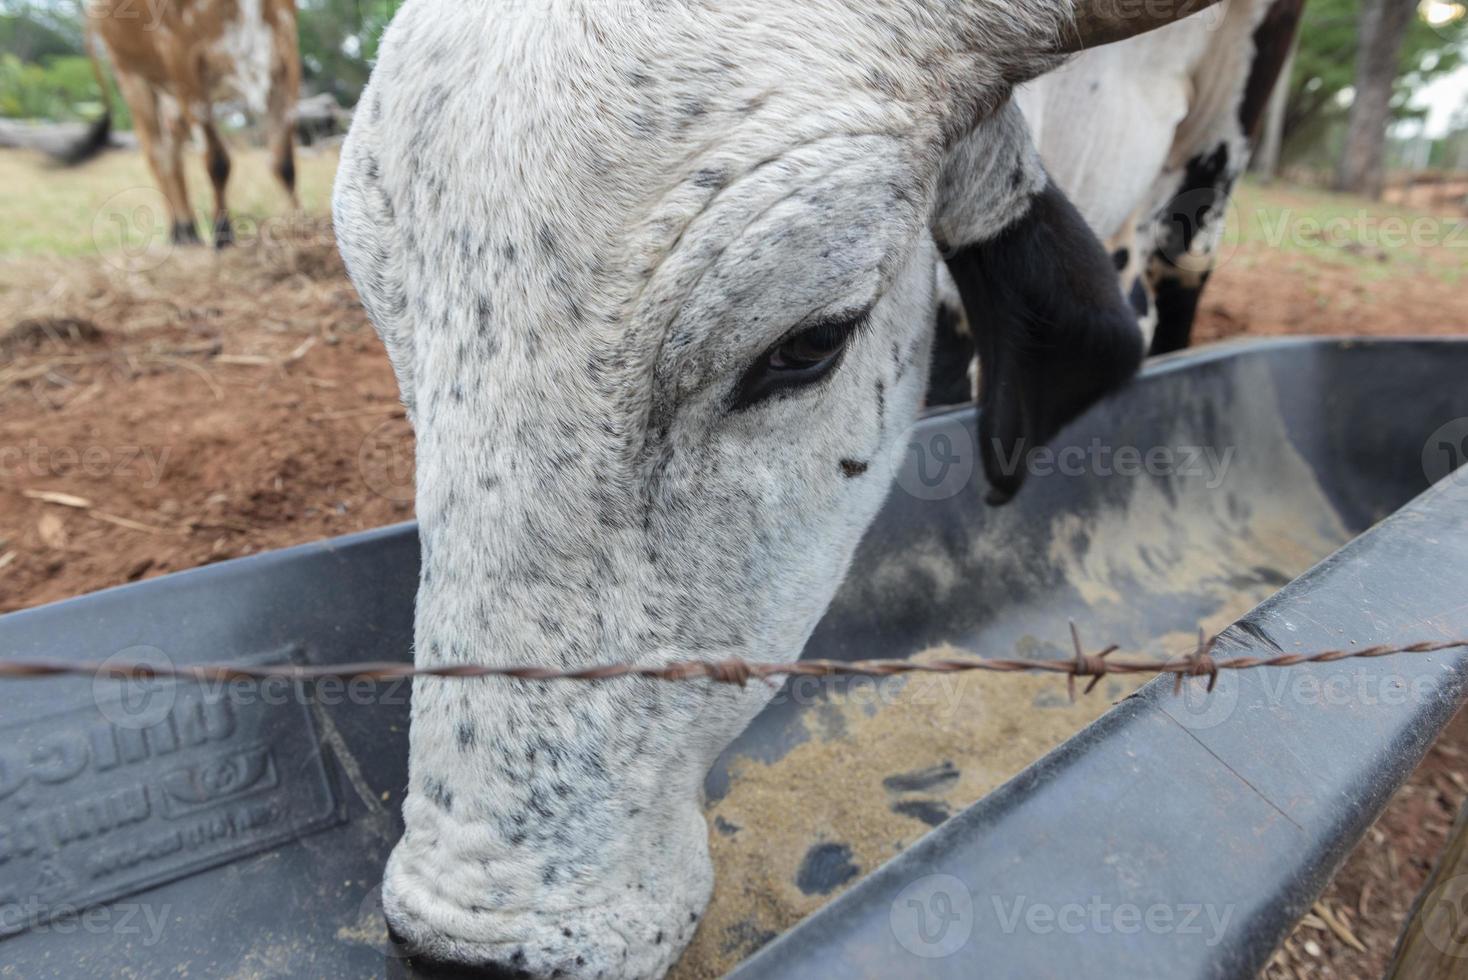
x=59, y=314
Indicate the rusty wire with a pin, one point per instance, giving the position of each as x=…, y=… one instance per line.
x=1199, y=662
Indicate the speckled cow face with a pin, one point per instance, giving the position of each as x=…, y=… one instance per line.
x=657, y=283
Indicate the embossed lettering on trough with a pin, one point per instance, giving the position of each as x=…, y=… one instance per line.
x=102, y=801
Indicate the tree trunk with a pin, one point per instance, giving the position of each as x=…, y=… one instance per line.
x=1382, y=27
x=1265, y=162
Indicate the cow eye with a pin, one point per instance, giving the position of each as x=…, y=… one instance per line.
x=801, y=358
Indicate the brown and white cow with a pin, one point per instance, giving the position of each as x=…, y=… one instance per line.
x=174, y=63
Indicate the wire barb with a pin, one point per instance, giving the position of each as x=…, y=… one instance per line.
x=1200, y=663
x=1086, y=665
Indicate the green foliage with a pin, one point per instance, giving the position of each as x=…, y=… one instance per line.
x=58, y=88
x=338, y=41
x=44, y=72
x=1325, y=66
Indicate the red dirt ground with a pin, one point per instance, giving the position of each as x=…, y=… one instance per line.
x=222, y=405
x=217, y=407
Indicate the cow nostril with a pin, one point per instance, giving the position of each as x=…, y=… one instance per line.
x=405, y=964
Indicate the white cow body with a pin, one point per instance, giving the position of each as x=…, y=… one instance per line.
x=1119, y=127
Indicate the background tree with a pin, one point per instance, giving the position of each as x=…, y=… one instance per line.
x=32, y=31
x=1324, y=75
x=1383, y=28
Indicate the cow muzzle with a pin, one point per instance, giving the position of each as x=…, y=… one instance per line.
x=632, y=926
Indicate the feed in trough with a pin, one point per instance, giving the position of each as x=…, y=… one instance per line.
x=878, y=765
x=882, y=764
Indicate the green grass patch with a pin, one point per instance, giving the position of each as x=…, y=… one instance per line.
x=112, y=202
x=1376, y=240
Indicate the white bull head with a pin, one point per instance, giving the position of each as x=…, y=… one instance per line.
x=657, y=283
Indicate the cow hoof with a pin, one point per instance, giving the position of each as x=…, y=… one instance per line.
x=184, y=233
x=223, y=233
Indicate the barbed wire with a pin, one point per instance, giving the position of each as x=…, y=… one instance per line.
x=1199, y=662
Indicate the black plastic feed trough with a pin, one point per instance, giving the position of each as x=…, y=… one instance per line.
x=246, y=837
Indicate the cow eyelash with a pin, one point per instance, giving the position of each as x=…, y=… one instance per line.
x=799, y=359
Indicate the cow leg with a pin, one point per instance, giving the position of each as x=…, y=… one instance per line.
x=1186, y=241
x=175, y=125
x=952, y=371
x=1190, y=227
x=1177, y=307
x=284, y=91
x=283, y=159
x=216, y=161
x=157, y=139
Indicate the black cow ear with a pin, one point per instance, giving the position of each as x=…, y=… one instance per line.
x=1052, y=331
